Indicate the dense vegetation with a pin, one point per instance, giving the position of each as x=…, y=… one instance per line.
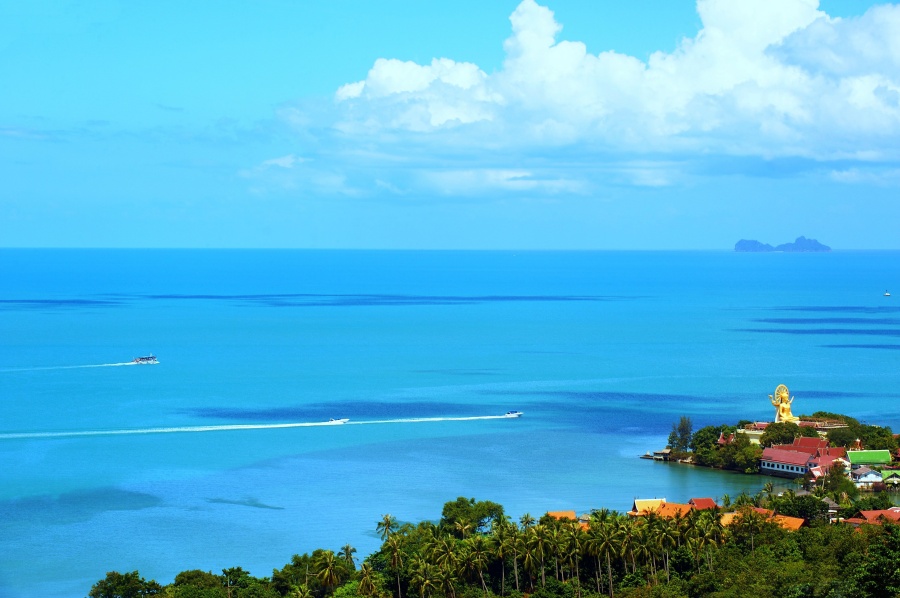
x=475, y=551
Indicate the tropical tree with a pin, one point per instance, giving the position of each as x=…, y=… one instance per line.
x=539, y=540
x=301, y=592
x=327, y=570
x=424, y=577
x=386, y=526
x=475, y=557
x=507, y=540
x=366, y=580
x=606, y=537
x=446, y=581
x=346, y=553
x=394, y=547
x=124, y=585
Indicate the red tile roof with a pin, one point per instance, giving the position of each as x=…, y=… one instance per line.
x=810, y=442
x=892, y=514
x=785, y=456
x=703, y=503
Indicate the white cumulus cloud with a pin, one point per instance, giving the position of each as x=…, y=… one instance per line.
x=763, y=78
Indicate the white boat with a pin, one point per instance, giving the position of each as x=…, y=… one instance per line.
x=513, y=414
x=887, y=294
x=146, y=360
x=337, y=422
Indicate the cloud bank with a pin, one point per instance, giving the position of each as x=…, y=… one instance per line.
x=763, y=80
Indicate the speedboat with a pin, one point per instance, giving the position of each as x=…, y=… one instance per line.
x=146, y=360
x=513, y=414
x=337, y=422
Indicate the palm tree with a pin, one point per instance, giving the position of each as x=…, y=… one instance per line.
x=539, y=540
x=668, y=539
x=395, y=554
x=463, y=528
x=301, y=592
x=424, y=577
x=444, y=552
x=475, y=557
x=625, y=532
x=366, y=580
x=574, y=536
x=386, y=526
x=556, y=546
x=526, y=520
x=346, y=553
x=641, y=545
x=529, y=561
x=327, y=570
x=504, y=544
x=446, y=582
x=607, y=543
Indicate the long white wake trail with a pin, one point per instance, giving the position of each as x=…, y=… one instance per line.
x=67, y=367
x=233, y=427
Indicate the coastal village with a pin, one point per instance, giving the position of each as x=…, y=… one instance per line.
x=807, y=459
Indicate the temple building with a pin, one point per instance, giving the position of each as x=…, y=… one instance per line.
x=804, y=455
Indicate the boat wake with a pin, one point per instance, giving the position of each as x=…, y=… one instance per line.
x=67, y=367
x=234, y=427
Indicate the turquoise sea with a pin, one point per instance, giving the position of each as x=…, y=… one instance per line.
x=603, y=351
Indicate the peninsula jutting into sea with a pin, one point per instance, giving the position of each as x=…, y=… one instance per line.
x=801, y=245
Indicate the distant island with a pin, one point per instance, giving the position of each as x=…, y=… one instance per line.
x=802, y=244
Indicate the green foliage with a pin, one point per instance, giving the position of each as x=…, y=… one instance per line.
x=779, y=433
x=808, y=432
x=841, y=437
x=616, y=555
x=124, y=585
x=836, y=416
x=198, y=584
x=680, y=437
x=706, y=438
x=741, y=455
x=809, y=507
x=837, y=485
x=871, y=437
x=871, y=502
x=466, y=515
x=879, y=574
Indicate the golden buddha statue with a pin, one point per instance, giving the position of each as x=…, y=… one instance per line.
x=783, y=405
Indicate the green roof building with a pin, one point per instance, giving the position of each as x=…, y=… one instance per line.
x=879, y=457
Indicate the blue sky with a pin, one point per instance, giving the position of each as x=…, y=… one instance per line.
x=651, y=124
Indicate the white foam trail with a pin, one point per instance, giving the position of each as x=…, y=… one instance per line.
x=232, y=427
x=68, y=367
x=416, y=420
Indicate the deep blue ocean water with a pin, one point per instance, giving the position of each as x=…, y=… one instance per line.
x=603, y=351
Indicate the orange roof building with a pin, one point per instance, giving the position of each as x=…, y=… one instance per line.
x=562, y=515
x=671, y=510
x=789, y=523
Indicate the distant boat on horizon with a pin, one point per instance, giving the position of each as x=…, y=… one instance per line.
x=887, y=294
x=336, y=422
